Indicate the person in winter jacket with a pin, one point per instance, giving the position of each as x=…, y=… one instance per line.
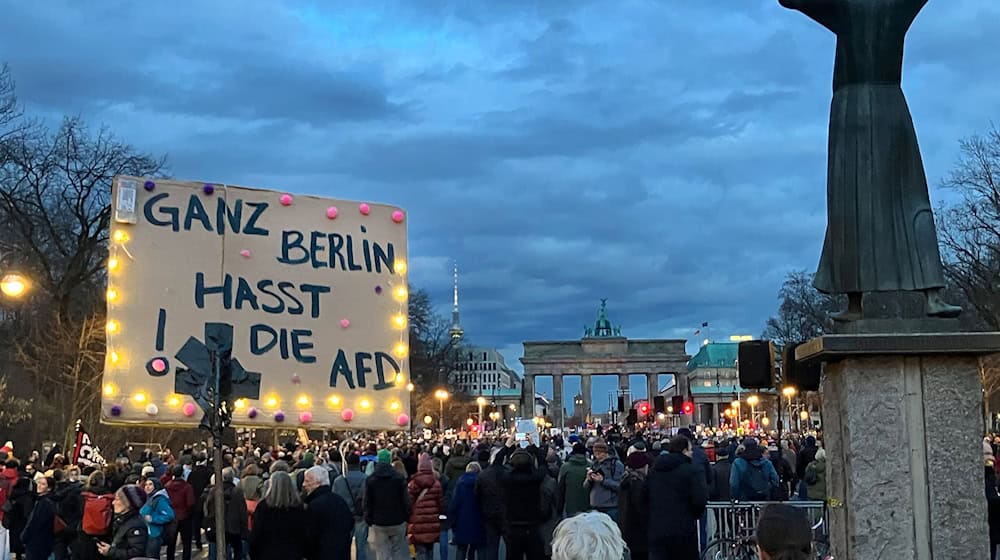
x=753, y=478
x=632, y=515
x=37, y=536
x=588, y=536
x=676, y=497
x=84, y=547
x=387, y=507
x=427, y=498
x=19, y=502
x=603, y=480
x=992, y=507
x=158, y=515
x=69, y=507
x=468, y=529
x=786, y=475
x=128, y=530
x=816, y=477
x=330, y=523
x=573, y=495
x=236, y=521
x=182, y=501
x=351, y=487
x=806, y=455
x=199, y=478
x=524, y=511
x=455, y=467
x=490, y=493
x=279, y=522
x=700, y=459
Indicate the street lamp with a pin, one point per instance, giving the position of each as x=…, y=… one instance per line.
x=441, y=395
x=14, y=285
x=481, y=402
x=736, y=409
x=428, y=420
x=753, y=400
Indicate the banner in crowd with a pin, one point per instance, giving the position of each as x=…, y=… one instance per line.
x=85, y=453
x=303, y=299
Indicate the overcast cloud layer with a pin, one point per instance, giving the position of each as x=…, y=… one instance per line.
x=666, y=155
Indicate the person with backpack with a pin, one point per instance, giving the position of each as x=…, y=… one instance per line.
x=95, y=517
x=753, y=478
x=68, y=498
x=182, y=500
x=236, y=521
x=351, y=487
x=815, y=478
x=128, y=530
x=427, y=497
x=675, y=499
x=158, y=515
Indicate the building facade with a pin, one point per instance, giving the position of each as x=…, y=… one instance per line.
x=714, y=384
x=481, y=371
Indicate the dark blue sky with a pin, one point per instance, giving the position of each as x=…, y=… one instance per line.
x=669, y=156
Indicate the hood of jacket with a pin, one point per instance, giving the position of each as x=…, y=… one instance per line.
x=577, y=460
x=671, y=462
x=384, y=470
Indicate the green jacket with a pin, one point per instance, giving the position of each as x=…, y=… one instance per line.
x=816, y=480
x=574, y=497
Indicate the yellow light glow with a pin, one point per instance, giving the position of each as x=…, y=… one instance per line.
x=480, y=401
x=399, y=267
x=113, y=264
x=114, y=357
x=174, y=401
x=334, y=400
x=428, y=419
x=240, y=404
x=400, y=293
x=14, y=285
x=272, y=401
x=112, y=294
x=110, y=390
x=139, y=397
x=394, y=406
x=365, y=404
x=804, y=415
x=469, y=421
x=735, y=404
x=399, y=321
x=400, y=379
x=789, y=392
x=400, y=350
x=120, y=236
x=753, y=400
x=410, y=387
x=303, y=400
x=113, y=326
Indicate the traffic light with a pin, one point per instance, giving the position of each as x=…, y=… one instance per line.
x=688, y=408
x=644, y=408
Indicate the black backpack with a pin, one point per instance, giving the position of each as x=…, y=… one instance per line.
x=759, y=487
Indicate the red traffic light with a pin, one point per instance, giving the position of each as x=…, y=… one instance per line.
x=644, y=408
x=688, y=408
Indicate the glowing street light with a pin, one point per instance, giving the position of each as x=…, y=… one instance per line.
x=753, y=401
x=14, y=285
x=441, y=395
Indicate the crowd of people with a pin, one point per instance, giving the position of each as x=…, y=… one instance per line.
x=401, y=497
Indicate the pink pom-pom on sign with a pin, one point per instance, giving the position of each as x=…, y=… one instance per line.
x=158, y=365
x=398, y=216
x=188, y=409
x=305, y=417
x=286, y=200
x=245, y=253
x=364, y=209
x=402, y=420
x=296, y=379
x=345, y=323
x=347, y=415
x=332, y=212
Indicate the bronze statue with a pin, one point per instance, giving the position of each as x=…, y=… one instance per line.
x=880, y=232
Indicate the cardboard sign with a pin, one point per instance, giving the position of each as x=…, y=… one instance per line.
x=309, y=293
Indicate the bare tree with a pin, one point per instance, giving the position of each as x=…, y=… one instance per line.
x=14, y=409
x=433, y=353
x=803, y=313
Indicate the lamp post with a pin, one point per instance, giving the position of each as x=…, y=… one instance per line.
x=753, y=400
x=481, y=402
x=736, y=410
x=441, y=395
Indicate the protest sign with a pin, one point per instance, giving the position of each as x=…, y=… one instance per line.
x=309, y=293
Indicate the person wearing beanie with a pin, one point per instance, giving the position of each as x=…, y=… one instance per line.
x=753, y=478
x=386, y=509
x=157, y=513
x=632, y=516
x=307, y=462
x=351, y=487
x=721, y=472
x=676, y=496
x=806, y=455
x=603, y=480
x=128, y=530
x=524, y=511
x=182, y=500
x=816, y=477
x=784, y=532
x=573, y=495
x=427, y=497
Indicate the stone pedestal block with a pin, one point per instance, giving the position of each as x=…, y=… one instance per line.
x=903, y=431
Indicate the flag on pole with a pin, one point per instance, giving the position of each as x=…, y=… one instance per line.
x=85, y=453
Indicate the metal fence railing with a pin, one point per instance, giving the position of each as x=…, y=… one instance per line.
x=737, y=520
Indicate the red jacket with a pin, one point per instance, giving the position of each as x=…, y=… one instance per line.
x=8, y=479
x=181, y=497
x=425, y=524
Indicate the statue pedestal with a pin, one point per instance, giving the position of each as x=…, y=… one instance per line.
x=903, y=429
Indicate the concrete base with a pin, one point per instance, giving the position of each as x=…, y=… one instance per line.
x=903, y=431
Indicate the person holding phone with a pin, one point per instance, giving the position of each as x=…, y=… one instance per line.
x=128, y=529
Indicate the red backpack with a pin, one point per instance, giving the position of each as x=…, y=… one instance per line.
x=97, y=513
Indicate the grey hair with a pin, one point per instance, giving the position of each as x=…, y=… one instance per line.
x=281, y=492
x=228, y=474
x=319, y=474
x=588, y=536
x=473, y=467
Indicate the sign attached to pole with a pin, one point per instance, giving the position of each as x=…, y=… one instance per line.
x=305, y=297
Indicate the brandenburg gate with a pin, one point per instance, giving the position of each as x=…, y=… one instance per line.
x=602, y=351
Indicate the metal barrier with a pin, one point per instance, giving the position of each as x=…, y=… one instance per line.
x=737, y=520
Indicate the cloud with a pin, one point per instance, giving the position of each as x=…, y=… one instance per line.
x=670, y=157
